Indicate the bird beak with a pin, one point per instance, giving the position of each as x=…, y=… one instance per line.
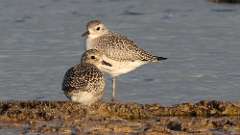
x=85, y=34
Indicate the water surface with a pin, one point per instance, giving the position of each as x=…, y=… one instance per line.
x=41, y=39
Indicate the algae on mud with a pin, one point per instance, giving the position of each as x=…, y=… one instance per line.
x=108, y=118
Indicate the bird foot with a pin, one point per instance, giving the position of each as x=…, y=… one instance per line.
x=114, y=100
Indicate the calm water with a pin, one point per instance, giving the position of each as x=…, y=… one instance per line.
x=41, y=39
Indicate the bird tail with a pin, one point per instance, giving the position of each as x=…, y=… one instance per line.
x=158, y=59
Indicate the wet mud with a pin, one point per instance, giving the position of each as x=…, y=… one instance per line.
x=65, y=117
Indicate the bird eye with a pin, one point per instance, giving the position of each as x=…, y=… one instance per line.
x=93, y=57
x=98, y=28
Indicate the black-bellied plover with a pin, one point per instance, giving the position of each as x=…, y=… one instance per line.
x=122, y=53
x=84, y=82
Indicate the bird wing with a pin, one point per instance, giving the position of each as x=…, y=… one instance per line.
x=80, y=77
x=118, y=47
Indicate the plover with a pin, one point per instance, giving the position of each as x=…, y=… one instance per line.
x=84, y=82
x=122, y=53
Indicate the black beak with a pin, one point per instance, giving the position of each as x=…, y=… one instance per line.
x=161, y=58
x=85, y=34
x=106, y=63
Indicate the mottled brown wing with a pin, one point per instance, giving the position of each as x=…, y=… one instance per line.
x=121, y=48
x=82, y=77
x=73, y=79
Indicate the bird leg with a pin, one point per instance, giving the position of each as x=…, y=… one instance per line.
x=113, y=88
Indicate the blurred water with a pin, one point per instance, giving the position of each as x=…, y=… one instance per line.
x=41, y=39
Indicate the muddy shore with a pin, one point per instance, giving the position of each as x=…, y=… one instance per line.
x=64, y=117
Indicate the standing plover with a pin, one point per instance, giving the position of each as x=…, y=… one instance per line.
x=122, y=53
x=84, y=83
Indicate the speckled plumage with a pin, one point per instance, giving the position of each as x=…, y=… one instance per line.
x=84, y=78
x=120, y=48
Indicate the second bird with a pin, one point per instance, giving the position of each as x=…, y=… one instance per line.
x=84, y=83
x=122, y=53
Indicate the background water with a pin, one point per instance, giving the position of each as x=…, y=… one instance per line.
x=41, y=39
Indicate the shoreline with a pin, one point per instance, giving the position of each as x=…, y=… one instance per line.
x=110, y=118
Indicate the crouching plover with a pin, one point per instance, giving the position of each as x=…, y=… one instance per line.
x=84, y=83
x=122, y=53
